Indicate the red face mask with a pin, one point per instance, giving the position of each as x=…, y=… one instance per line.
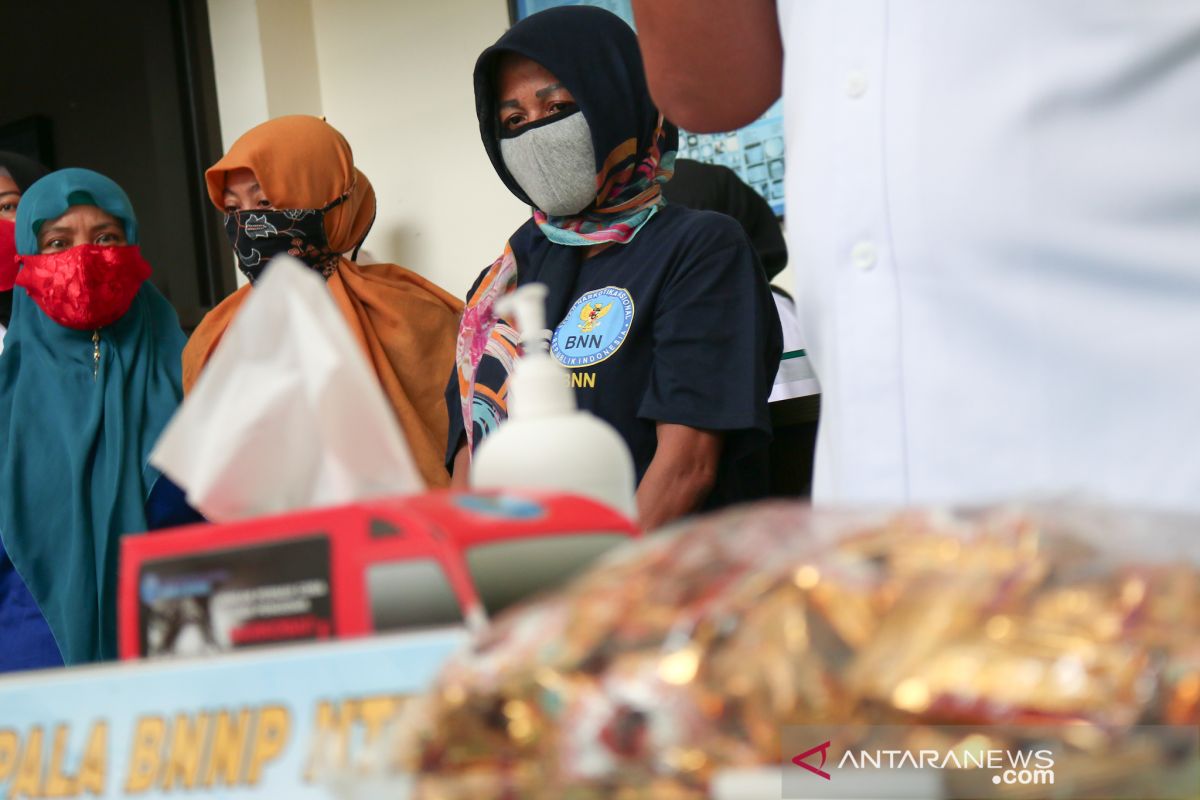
x=8, y=254
x=87, y=287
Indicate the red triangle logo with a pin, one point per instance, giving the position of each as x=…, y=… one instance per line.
x=800, y=761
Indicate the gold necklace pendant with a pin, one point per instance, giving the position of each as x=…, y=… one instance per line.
x=95, y=355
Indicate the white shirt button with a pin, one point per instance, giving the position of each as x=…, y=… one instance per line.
x=864, y=255
x=856, y=84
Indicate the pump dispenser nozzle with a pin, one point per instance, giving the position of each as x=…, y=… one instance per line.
x=526, y=307
x=539, y=385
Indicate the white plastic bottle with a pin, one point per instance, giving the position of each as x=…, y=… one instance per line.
x=547, y=442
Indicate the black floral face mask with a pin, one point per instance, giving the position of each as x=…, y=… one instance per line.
x=258, y=236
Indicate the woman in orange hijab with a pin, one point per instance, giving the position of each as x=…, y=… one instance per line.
x=290, y=186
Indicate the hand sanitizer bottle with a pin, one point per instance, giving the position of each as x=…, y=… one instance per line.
x=546, y=442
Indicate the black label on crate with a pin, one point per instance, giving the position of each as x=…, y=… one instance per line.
x=237, y=597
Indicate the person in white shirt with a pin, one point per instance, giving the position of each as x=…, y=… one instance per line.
x=997, y=205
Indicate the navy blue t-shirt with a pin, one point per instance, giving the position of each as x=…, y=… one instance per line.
x=676, y=326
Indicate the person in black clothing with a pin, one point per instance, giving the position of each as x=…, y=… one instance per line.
x=712, y=187
x=660, y=312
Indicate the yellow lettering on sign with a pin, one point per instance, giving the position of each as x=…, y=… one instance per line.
x=10, y=744
x=583, y=380
x=28, y=782
x=331, y=739
x=185, y=752
x=336, y=725
x=270, y=736
x=147, y=753
x=375, y=712
x=57, y=784
x=228, y=748
x=94, y=769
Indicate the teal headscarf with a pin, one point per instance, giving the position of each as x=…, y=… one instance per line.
x=50, y=197
x=74, y=441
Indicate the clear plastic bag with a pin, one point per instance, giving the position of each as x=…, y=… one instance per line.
x=686, y=654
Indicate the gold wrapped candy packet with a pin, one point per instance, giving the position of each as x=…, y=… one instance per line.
x=686, y=654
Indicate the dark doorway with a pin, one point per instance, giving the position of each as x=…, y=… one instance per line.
x=126, y=87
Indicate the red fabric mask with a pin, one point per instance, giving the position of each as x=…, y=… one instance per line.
x=8, y=254
x=87, y=287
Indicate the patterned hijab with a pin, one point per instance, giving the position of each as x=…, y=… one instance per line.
x=595, y=55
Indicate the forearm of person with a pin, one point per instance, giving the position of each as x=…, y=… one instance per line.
x=680, y=475
x=461, y=479
x=712, y=65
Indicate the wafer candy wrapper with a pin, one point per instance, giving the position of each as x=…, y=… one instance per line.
x=683, y=656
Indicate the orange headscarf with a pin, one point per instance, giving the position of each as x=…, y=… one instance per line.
x=405, y=324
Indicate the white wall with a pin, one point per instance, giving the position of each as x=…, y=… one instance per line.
x=289, y=54
x=396, y=80
x=237, y=66
x=394, y=77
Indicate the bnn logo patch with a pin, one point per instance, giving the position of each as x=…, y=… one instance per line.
x=594, y=328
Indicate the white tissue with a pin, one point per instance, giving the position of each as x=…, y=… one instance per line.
x=287, y=414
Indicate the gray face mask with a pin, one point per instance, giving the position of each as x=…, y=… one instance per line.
x=555, y=164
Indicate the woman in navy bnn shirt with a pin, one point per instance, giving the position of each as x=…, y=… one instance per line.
x=662, y=314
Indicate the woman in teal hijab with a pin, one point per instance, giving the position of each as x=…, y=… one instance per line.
x=89, y=376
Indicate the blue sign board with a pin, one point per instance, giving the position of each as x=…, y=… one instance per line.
x=277, y=722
